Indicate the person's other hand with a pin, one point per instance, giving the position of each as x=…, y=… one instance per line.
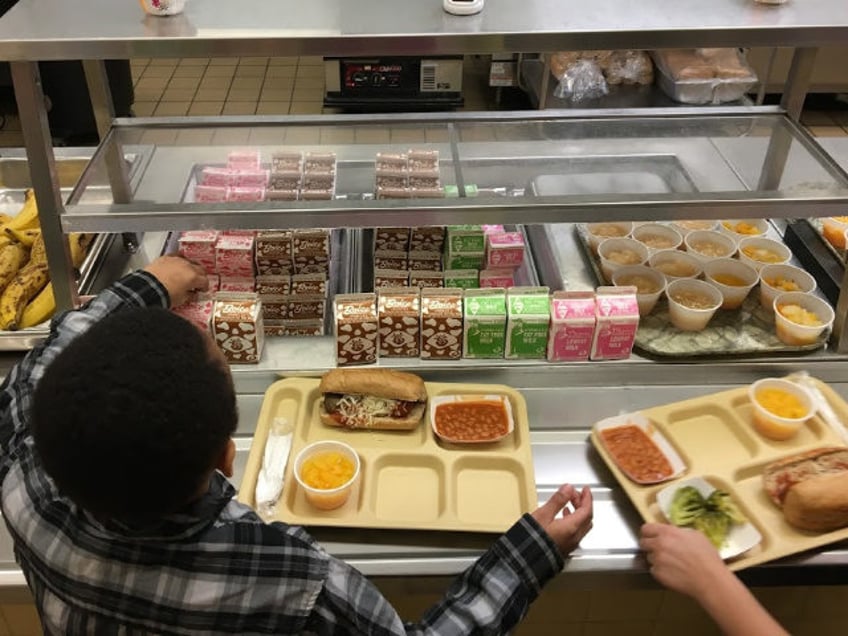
x=682, y=559
x=569, y=529
x=180, y=276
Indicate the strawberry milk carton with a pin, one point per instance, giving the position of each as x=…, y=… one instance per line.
x=234, y=255
x=199, y=246
x=617, y=314
x=504, y=249
x=496, y=278
x=572, y=326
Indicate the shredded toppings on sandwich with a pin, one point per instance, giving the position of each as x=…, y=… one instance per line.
x=360, y=410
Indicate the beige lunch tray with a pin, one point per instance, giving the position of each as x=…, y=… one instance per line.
x=409, y=479
x=717, y=442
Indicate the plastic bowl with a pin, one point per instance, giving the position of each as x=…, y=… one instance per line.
x=683, y=312
x=791, y=330
x=706, y=245
x=767, y=419
x=739, y=229
x=649, y=283
x=685, y=226
x=732, y=278
x=777, y=279
x=656, y=237
x=759, y=252
x=326, y=498
x=674, y=264
x=618, y=252
x=598, y=232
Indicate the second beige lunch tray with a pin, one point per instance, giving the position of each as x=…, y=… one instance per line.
x=716, y=441
x=409, y=479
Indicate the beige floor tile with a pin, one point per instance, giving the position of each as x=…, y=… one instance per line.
x=140, y=60
x=272, y=108
x=162, y=72
x=219, y=71
x=336, y=135
x=408, y=136
x=311, y=60
x=189, y=72
x=329, y=110
x=303, y=135
x=316, y=83
x=196, y=137
x=194, y=61
x=253, y=61
x=282, y=61
x=372, y=135
x=267, y=136
x=300, y=94
x=184, y=83
x=153, y=83
x=206, y=108
x=246, y=82
x=223, y=61
x=816, y=118
x=827, y=131
x=231, y=136
x=215, y=82
x=306, y=108
x=243, y=95
x=164, y=61
x=144, y=109
x=278, y=83
x=310, y=72
x=137, y=73
x=239, y=108
x=148, y=94
x=22, y=618
x=173, y=109
x=281, y=71
x=211, y=94
x=178, y=94
x=275, y=95
x=250, y=71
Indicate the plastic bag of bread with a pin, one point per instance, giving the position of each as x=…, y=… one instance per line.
x=581, y=81
x=627, y=67
x=703, y=76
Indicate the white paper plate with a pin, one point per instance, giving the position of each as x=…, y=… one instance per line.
x=637, y=419
x=741, y=538
x=446, y=399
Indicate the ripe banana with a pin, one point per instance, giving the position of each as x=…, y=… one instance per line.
x=12, y=258
x=79, y=243
x=38, y=253
x=27, y=218
x=39, y=308
x=17, y=295
x=5, y=218
x=27, y=237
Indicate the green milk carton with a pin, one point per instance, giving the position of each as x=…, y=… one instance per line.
x=528, y=320
x=484, y=328
x=464, y=278
x=465, y=239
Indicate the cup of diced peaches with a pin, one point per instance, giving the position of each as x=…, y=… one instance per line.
x=780, y=407
x=326, y=472
x=779, y=278
x=800, y=319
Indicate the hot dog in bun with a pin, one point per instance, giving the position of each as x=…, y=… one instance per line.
x=372, y=398
x=811, y=487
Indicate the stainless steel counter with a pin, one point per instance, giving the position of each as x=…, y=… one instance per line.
x=52, y=29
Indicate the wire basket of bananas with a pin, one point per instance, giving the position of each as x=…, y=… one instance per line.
x=27, y=298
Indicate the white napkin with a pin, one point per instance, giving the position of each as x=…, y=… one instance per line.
x=269, y=484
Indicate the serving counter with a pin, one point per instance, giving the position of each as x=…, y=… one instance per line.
x=746, y=161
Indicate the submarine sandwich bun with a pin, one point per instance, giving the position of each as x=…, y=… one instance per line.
x=812, y=488
x=372, y=398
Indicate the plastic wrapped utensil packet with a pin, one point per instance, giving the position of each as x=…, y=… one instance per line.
x=269, y=483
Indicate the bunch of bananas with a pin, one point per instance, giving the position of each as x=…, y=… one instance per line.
x=26, y=298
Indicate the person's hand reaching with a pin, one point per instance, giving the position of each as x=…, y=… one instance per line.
x=180, y=276
x=567, y=530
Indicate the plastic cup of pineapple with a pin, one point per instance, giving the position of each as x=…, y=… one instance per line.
x=618, y=252
x=759, y=252
x=779, y=407
x=776, y=279
x=800, y=319
x=692, y=303
x=732, y=278
x=649, y=284
x=326, y=472
x=599, y=232
x=738, y=229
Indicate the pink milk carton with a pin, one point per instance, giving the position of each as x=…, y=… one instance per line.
x=572, y=326
x=496, y=278
x=504, y=249
x=237, y=284
x=198, y=312
x=617, y=313
x=493, y=229
x=234, y=255
x=199, y=246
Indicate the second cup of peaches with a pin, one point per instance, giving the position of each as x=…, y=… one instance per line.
x=732, y=278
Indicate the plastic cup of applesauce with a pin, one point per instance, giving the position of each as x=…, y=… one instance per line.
x=705, y=245
x=759, y=252
x=692, y=303
x=732, y=278
x=800, y=319
x=618, y=252
x=599, y=232
x=162, y=7
x=779, y=407
x=777, y=279
x=326, y=472
x=649, y=284
x=656, y=237
x=674, y=264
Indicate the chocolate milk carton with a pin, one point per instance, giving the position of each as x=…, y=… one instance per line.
x=484, y=313
x=617, y=314
x=572, y=326
x=528, y=318
x=441, y=324
x=356, y=328
x=237, y=327
x=399, y=311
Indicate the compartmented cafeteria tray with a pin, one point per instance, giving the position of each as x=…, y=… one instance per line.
x=748, y=330
x=409, y=480
x=716, y=441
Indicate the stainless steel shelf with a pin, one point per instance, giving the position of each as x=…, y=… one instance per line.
x=52, y=29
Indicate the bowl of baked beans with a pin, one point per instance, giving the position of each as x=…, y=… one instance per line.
x=471, y=419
